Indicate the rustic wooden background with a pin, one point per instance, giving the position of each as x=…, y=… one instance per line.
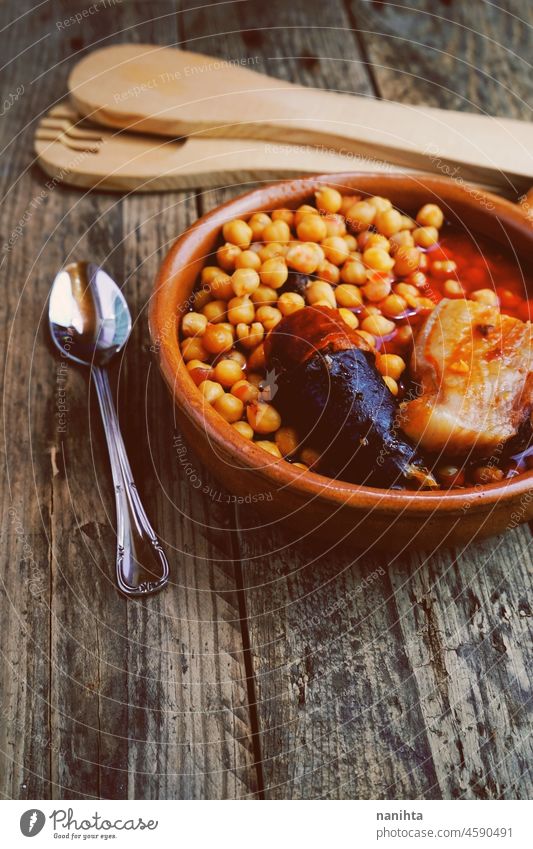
x=266, y=670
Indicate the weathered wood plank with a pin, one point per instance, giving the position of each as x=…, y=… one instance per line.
x=467, y=629
x=25, y=743
x=444, y=55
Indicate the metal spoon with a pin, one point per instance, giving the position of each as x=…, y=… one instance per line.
x=90, y=323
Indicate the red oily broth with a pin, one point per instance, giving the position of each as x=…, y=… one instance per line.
x=480, y=264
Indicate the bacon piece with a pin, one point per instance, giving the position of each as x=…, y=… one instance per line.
x=475, y=369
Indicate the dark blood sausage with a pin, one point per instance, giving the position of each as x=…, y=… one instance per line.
x=330, y=390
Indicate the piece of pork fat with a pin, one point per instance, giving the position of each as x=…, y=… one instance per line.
x=475, y=369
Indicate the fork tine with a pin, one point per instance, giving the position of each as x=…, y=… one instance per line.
x=70, y=130
x=53, y=135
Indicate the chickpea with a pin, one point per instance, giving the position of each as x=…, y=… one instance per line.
x=430, y=215
x=210, y=391
x=335, y=249
x=229, y=407
x=319, y=290
x=353, y=271
x=347, y=202
x=268, y=316
x=215, y=311
x=227, y=255
x=389, y=222
x=221, y=287
x=264, y=295
x=290, y=302
x=487, y=474
x=217, y=339
x=264, y=418
x=380, y=204
x=450, y=476
x=403, y=239
x=349, y=318
x=241, y=310
x=391, y=384
x=305, y=209
x=228, y=372
x=248, y=259
x=278, y=231
x=237, y=232
x=393, y=306
x=406, y=260
x=406, y=290
x=310, y=457
x=378, y=325
x=193, y=349
x=453, y=289
x=245, y=281
x=209, y=273
x=417, y=278
x=302, y=257
x=244, y=429
x=350, y=242
x=328, y=272
x=363, y=238
x=369, y=338
x=256, y=360
x=273, y=249
x=199, y=371
x=328, y=199
x=348, y=296
x=312, y=228
x=250, y=335
x=404, y=335
x=443, y=268
x=377, y=289
x=377, y=240
x=271, y=447
x=193, y=324
x=201, y=298
x=361, y=215
x=286, y=215
x=378, y=259
x=274, y=272
x=425, y=237
x=424, y=262
x=287, y=441
x=408, y=223
x=391, y=365
x=485, y=296
x=335, y=225
x=255, y=379
x=245, y=391
x=257, y=224
x=236, y=356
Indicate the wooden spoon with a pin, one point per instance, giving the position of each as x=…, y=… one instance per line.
x=78, y=152
x=170, y=92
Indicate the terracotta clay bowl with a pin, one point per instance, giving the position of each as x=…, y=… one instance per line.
x=306, y=502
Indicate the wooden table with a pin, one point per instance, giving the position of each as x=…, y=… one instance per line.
x=265, y=670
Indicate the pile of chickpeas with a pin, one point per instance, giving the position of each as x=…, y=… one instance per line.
x=360, y=256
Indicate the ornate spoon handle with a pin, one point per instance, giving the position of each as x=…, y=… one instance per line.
x=142, y=567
